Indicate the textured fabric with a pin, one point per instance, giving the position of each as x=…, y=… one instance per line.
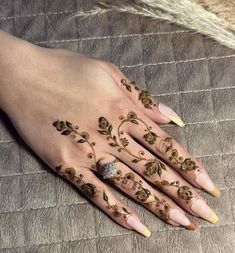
x=40, y=212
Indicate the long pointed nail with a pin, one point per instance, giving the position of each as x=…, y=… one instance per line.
x=138, y=226
x=205, y=182
x=170, y=114
x=200, y=208
x=180, y=218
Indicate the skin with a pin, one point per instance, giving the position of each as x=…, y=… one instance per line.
x=40, y=87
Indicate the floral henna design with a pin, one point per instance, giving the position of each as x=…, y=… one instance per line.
x=90, y=189
x=70, y=174
x=121, y=143
x=184, y=192
x=144, y=96
x=66, y=128
x=116, y=209
x=185, y=164
x=142, y=194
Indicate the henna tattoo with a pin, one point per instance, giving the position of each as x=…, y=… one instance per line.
x=70, y=174
x=184, y=192
x=90, y=189
x=144, y=96
x=185, y=164
x=66, y=128
x=121, y=143
x=116, y=209
x=142, y=194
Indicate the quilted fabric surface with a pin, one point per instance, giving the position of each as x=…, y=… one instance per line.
x=40, y=212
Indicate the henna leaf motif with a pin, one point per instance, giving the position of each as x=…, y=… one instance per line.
x=105, y=197
x=135, y=160
x=66, y=132
x=153, y=167
x=113, y=144
x=69, y=125
x=81, y=141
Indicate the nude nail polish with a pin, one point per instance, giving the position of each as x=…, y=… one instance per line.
x=170, y=114
x=200, y=208
x=180, y=218
x=205, y=182
x=138, y=226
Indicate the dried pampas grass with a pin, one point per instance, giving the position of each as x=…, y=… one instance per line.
x=223, y=8
x=183, y=12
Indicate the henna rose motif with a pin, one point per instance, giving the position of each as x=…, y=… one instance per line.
x=185, y=193
x=188, y=164
x=89, y=189
x=150, y=137
x=146, y=99
x=143, y=194
x=144, y=96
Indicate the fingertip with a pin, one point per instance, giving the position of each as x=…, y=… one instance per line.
x=137, y=225
x=171, y=115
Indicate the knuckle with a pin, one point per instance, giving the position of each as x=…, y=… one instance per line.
x=161, y=145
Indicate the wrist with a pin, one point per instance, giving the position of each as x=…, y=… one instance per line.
x=14, y=54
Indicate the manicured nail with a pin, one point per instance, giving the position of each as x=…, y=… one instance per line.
x=200, y=208
x=138, y=226
x=170, y=114
x=180, y=218
x=205, y=182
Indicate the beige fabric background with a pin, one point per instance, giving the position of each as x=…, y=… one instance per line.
x=40, y=212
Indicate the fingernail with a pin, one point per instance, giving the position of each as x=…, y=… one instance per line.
x=170, y=114
x=205, y=182
x=180, y=218
x=200, y=208
x=138, y=226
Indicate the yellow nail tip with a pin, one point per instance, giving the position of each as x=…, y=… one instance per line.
x=214, y=218
x=177, y=120
x=146, y=232
x=216, y=192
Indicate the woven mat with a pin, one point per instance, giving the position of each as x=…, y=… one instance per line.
x=40, y=212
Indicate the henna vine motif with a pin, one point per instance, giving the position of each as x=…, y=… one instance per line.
x=116, y=209
x=121, y=143
x=66, y=128
x=185, y=164
x=184, y=192
x=70, y=174
x=142, y=194
x=152, y=166
x=144, y=96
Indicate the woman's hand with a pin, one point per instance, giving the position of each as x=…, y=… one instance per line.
x=87, y=120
